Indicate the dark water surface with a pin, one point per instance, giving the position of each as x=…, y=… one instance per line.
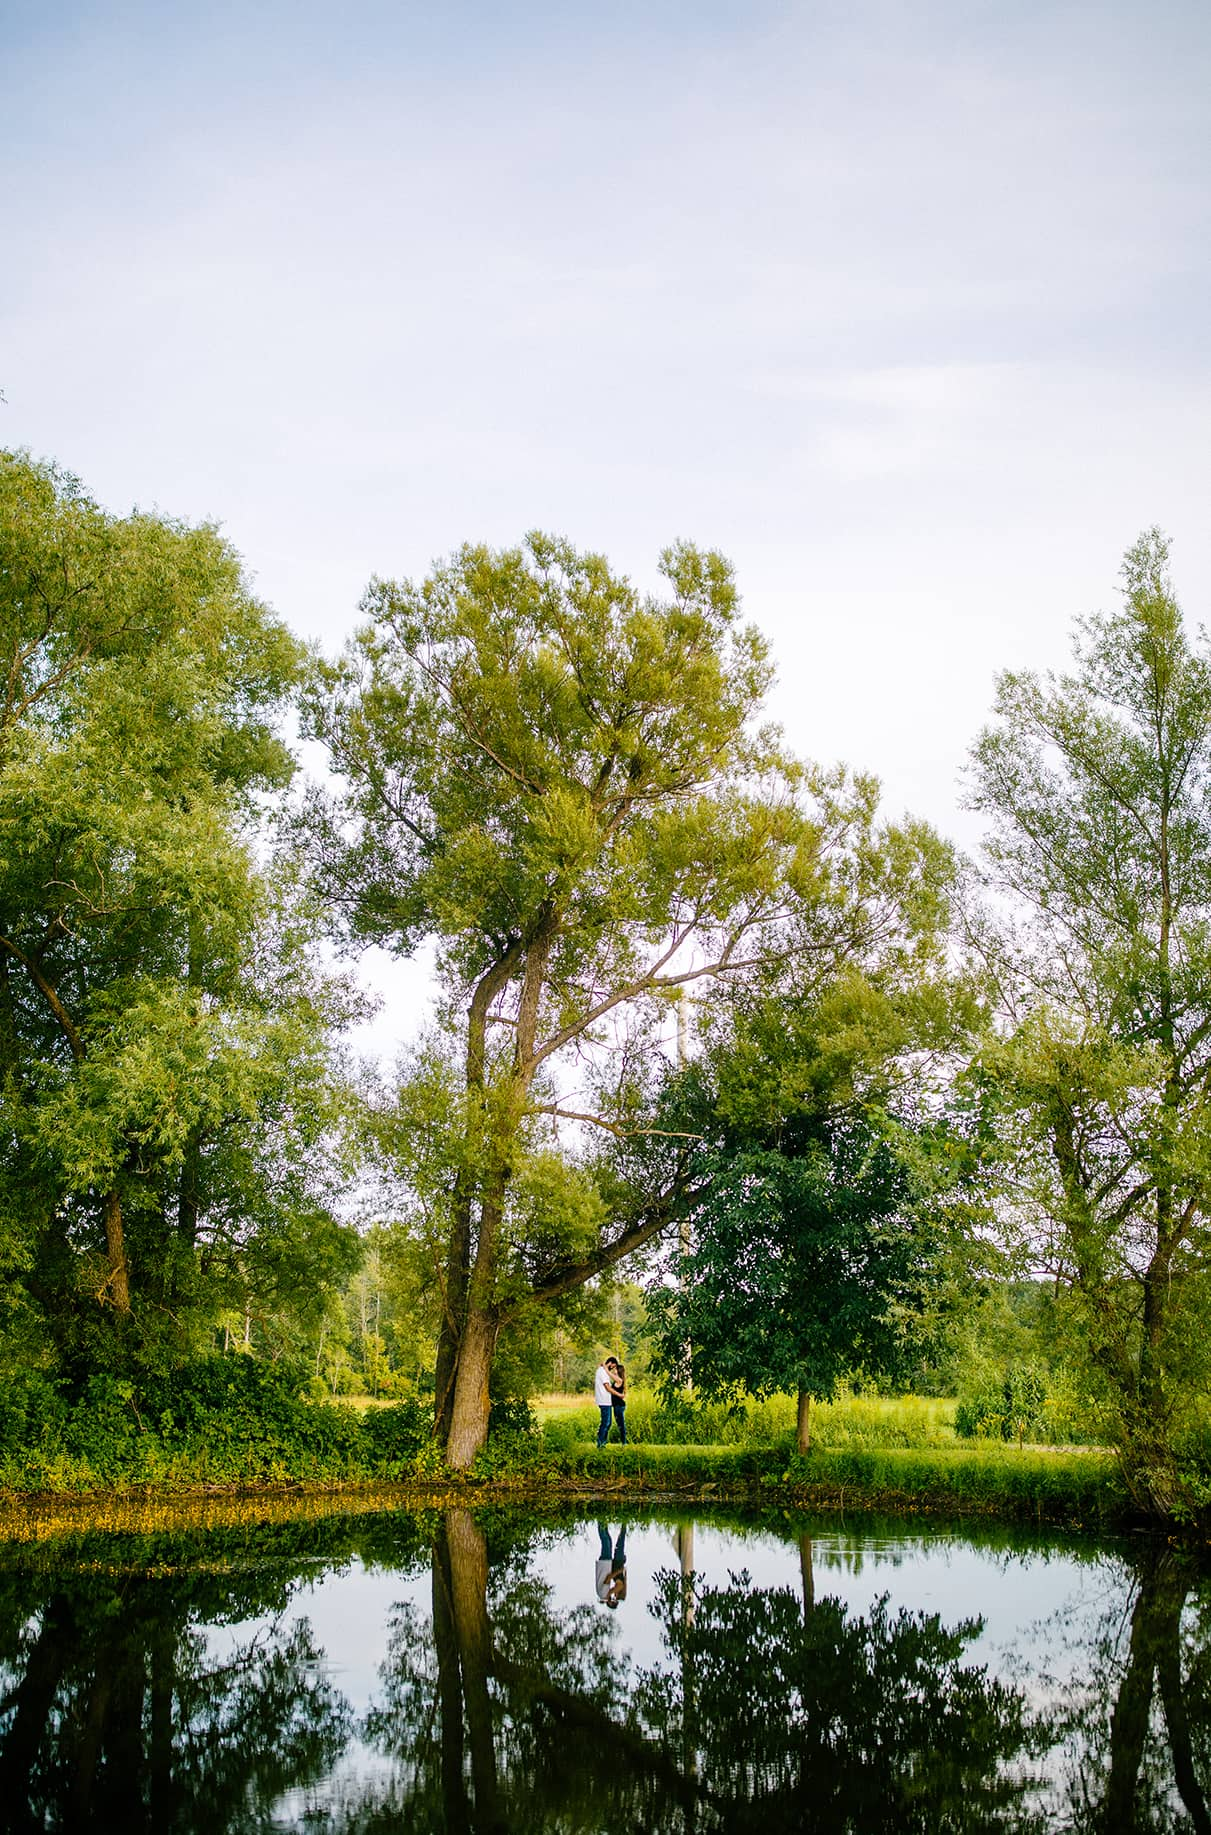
x=459, y=1671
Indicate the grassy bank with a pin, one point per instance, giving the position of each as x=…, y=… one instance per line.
x=231, y=1425
x=1041, y=1484
x=1070, y=1489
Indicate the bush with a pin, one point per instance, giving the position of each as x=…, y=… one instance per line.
x=31, y=1412
x=1014, y=1409
x=510, y=1415
x=222, y=1420
x=394, y=1437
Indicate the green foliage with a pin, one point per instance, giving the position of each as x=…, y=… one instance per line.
x=1016, y=1409
x=831, y=1190
x=548, y=773
x=220, y=1421
x=802, y=1270
x=1097, y=786
x=1083, y=1487
x=394, y=1436
x=167, y=1110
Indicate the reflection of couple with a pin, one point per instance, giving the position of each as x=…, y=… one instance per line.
x=610, y=1394
x=610, y=1574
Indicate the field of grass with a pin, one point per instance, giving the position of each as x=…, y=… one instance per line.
x=850, y=1421
x=870, y=1452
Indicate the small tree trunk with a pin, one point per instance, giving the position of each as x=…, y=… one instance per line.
x=807, y=1576
x=469, y=1421
x=803, y=1431
x=449, y=1337
x=118, y=1284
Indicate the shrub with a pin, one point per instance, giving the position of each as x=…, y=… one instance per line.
x=1014, y=1409
x=394, y=1437
x=31, y=1412
x=511, y=1415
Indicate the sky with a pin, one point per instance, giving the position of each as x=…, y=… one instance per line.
x=902, y=306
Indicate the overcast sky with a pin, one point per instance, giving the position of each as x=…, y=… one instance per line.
x=904, y=307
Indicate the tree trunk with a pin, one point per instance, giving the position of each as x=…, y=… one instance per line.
x=117, y=1284
x=454, y=1305
x=189, y=1200
x=469, y=1598
x=807, y=1576
x=457, y=1272
x=803, y=1431
x=449, y=1691
x=469, y=1420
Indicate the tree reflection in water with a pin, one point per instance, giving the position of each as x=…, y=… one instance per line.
x=1144, y=1720
x=769, y=1708
x=115, y=1715
x=775, y=1710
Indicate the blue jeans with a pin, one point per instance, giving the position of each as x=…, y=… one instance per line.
x=620, y=1417
x=607, y=1415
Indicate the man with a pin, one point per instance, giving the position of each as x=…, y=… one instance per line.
x=603, y=1395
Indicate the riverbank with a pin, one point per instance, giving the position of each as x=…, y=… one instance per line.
x=1065, y=1488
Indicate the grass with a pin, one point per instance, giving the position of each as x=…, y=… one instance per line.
x=850, y=1421
x=873, y=1452
x=1073, y=1486
x=231, y=1424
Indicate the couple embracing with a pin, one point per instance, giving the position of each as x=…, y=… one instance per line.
x=610, y=1394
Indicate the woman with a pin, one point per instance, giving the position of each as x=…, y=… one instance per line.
x=618, y=1390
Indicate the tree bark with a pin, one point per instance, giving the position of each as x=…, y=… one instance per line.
x=117, y=1284
x=803, y=1430
x=457, y=1272
x=472, y=1400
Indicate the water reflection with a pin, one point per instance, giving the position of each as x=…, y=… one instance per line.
x=769, y=1710
x=119, y=1714
x=610, y=1568
x=1149, y=1760
x=176, y=1684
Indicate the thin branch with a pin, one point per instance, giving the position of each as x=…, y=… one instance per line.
x=51, y=996
x=613, y=1127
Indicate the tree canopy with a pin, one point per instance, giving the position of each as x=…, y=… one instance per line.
x=1097, y=784
x=161, y=1030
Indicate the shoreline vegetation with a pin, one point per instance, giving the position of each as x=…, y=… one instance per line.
x=1072, y=1489
x=255, y=1447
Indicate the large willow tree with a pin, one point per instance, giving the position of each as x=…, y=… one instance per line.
x=556, y=777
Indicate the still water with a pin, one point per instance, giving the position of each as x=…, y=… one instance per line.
x=450, y=1670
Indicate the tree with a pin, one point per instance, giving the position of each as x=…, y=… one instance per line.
x=556, y=778
x=824, y=1222
x=162, y=1032
x=1098, y=787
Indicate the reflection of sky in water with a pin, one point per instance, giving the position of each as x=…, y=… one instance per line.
x=1034, y=1605
x=1040, y=1609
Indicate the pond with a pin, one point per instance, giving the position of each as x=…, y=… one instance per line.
x=458, y=1670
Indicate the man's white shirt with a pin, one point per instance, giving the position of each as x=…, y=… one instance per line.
x=601, y=1387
